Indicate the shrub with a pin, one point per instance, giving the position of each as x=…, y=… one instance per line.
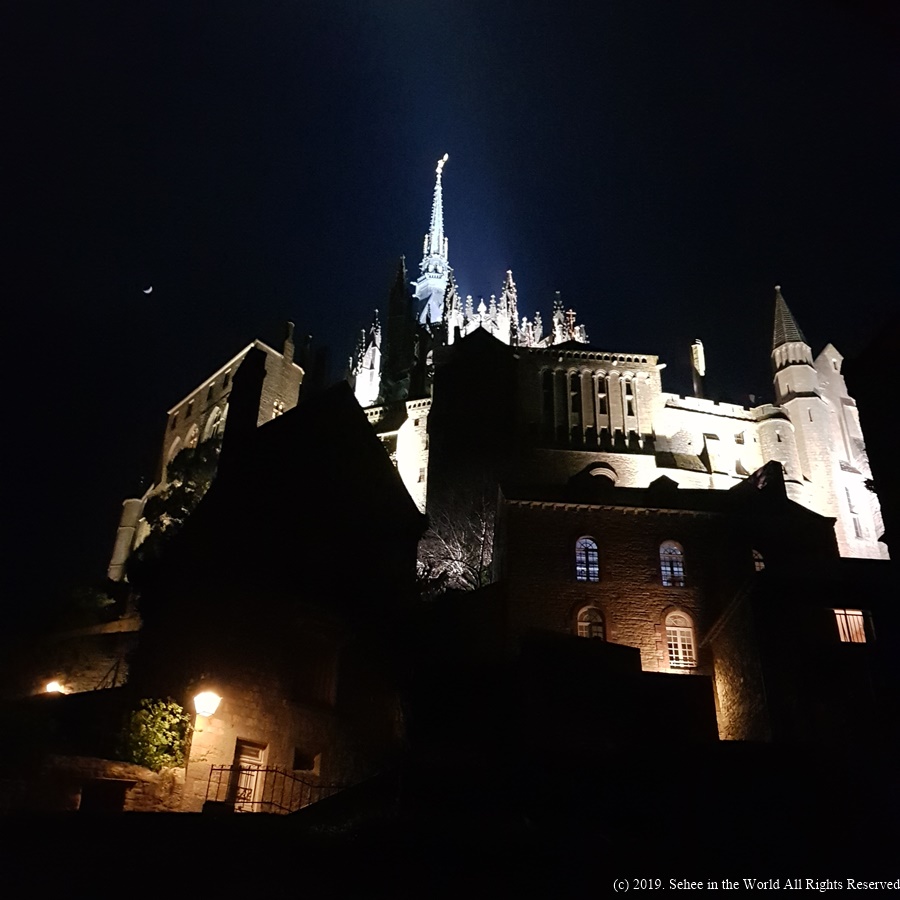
x=156, y=734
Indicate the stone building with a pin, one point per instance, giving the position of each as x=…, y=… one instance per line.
x=265, y=598
x=743, y=586
x=686, y=537
x=569, y=404
x=200, y=417
x=563, y=405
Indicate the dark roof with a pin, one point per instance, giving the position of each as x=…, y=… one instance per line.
x=756, y=495
x=786, y=328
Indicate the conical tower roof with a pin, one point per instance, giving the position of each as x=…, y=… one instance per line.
x=786, y=329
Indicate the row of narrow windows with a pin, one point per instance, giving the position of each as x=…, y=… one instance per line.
x=574, y=388
x=671, y=562
x=189, y=409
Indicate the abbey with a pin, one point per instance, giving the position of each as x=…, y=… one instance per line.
x=566, y=405
x=570, y=405
x=632, y=569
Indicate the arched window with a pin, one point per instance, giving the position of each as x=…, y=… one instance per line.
x=590, y=623
x=671, y=564
x=215, y=424
x=758, y=562
x=587, y=560
x=680, y=641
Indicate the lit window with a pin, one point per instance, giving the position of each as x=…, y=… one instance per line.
x=851, y=625
x=758, y=562
x=671, y=564
x=590, y=623
x=587, y=560
x=680, y=641
x=277, y=408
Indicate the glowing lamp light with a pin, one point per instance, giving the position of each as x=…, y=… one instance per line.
x=54, y=687
x=206, y=703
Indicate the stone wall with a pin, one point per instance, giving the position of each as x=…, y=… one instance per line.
x=102, y=785
x=741, y=708
x=293, y=736
x=85, y=659
x=539, y=567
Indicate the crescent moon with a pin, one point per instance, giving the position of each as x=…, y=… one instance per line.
x=149, y=289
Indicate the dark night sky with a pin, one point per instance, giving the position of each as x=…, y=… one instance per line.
x=661, y=164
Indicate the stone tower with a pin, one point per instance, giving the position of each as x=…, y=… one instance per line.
x=831, y=462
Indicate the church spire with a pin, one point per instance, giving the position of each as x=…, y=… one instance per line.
x=435, y=242
x=786, y=328
x=435, y=265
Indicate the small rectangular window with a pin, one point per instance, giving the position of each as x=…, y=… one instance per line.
x=739, y=437
x=304, y=761
x=851, y=625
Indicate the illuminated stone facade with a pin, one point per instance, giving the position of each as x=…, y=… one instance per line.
x=201, y=416
x=737, y=585
x=575, y=406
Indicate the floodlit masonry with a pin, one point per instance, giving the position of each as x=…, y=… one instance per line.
x=575, y=405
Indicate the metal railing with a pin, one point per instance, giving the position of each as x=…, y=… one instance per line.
x=266, y=789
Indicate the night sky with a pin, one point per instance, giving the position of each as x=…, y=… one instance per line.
x=661, y=164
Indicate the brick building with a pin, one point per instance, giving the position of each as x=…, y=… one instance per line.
x=744, y=586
